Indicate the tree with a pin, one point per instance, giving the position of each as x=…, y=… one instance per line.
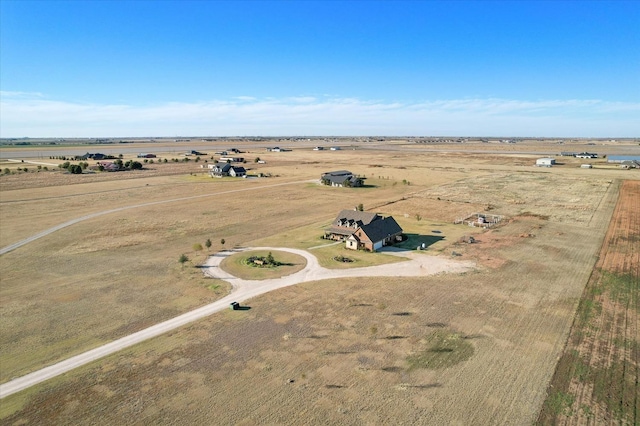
x=207, y=244
x=75, y=169
x=222, y=241
x=197, y=247
x=360, y=207
x=256, y=160
x=136, y=165
x=183, y=259
x=270, y=259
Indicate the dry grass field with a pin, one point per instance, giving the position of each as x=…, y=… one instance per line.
x=596, y=380
x=474, y=348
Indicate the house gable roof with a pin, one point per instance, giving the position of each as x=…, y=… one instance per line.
x=381, y=229
x=338, y=173
x=363, y=217
x=348, y=221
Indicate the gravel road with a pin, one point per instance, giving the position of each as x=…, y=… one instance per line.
x=417, y=264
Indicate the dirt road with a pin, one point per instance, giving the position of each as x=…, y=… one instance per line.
x=49, y=231
x=416, y=265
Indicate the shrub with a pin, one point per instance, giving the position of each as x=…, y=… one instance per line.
x=75, y=169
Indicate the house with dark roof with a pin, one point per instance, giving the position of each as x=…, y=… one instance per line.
x=340, y=178
x=237, y=171
x=364, y=230
x=220, y=170
x=226, y=169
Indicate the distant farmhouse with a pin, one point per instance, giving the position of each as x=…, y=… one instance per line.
x=579, y=154
x=625, y=161
x=364, y=230
x=226, y=169
x=231, y=160
x=340, y=178
x=586, y=155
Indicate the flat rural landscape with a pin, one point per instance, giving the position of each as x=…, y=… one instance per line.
x=534, y=321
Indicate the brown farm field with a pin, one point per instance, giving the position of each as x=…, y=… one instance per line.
x=479, y=347
x=596, y=380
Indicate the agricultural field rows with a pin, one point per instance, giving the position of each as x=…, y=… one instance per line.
x=596, y=381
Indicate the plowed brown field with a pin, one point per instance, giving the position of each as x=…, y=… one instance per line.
x=596, y=381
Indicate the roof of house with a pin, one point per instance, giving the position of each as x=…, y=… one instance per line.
x=364, y=217
x=338, y=173
x=238, y=169
x=623, y=157
x=381, y=229
x=354, y=218
x=225, y=167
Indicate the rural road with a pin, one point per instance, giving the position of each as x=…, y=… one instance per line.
x=49, y=231
x=418, y=264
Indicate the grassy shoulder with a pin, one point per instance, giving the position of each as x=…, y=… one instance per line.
x=238, y=266
x=337, y=256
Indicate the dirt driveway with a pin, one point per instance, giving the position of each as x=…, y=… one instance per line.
x=417, y=264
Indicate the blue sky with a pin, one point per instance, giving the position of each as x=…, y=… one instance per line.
x=164, y=68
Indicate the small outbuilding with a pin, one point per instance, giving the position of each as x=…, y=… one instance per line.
x=545, y=162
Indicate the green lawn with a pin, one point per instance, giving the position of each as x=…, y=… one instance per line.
x=236, y=265
x=360, y=258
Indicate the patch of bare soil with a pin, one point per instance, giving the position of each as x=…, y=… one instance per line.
x=596, y=380
x=573, y=199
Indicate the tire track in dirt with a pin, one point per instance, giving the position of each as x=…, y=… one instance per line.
x=49, y=231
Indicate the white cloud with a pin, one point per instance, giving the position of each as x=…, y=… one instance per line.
x=31, y=114
x=20, y=95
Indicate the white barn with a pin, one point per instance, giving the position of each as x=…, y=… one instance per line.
x=545, y=162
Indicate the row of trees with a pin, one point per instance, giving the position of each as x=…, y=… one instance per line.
x=8, y=171
x=198, y=247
